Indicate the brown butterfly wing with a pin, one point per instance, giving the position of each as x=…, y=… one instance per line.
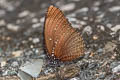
x=61, y=39
x=54, y=21
x=66, y=33
x=73, y=47
x=47, y=34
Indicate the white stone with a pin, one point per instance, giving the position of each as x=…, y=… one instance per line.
x=109, y=25
x=33, y=67
x=114, y=9
x=95, y=8
x=36, y=25
x=42, y=19
x=17, y=53
x=2, y=23
x=88, y=30
x=97, y=3
x=83, y=23
x=115, y=28
x=68, y=7
x=15, y=64
x=3, y=63
x=24, y=76
x=75, y=78
x=116, y=69
x=119, y=38
x=36, y=40
x=84, y=9
x=34, y=20
x=13, y=27
x=101, y=27
x=71, y=19
x=101, y=15
x=24, y=13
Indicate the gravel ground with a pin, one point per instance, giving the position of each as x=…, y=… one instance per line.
x=21, y=39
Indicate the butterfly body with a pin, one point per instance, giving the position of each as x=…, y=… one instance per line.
x=61, y=39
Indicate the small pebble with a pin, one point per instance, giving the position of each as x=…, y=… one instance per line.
x=42, y=19
x=31, y=46
x=28, y=53
x=2, y=13
x=101, y=15
x=30, y=38
x=36, y=25
x=83, y=23
x=95, y=37
x=109, y=25
x=88, y=30
x=15, y=64
x=100, y=50
x=34, y=20
x=109, y=47
x=102, y=75
x=85, y=18
x=116, y=69
x=75, y=78
x=95, y=8
x=36, y=40
x=23, y=13
x=101, y=27
x=119, y=38
x=17, y=53
x=114, y=9
x=115, y=28
x=72, y=19
x=96, y=3
x=113, y=56
x=84, y=9
x=8, y=38
x=3, y=63
x=2, y=23
x=5, y=72
x=68, y=7
x=13, y=27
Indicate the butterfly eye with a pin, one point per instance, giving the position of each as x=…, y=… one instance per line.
x=62, y=41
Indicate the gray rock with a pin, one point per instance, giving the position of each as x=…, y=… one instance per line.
x=116, y=69
x=24, y=76
x=33, y=68
x=15, y=64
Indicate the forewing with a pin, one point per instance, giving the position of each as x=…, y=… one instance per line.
x=53, y=23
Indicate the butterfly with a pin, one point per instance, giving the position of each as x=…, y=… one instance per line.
x=61, y=40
